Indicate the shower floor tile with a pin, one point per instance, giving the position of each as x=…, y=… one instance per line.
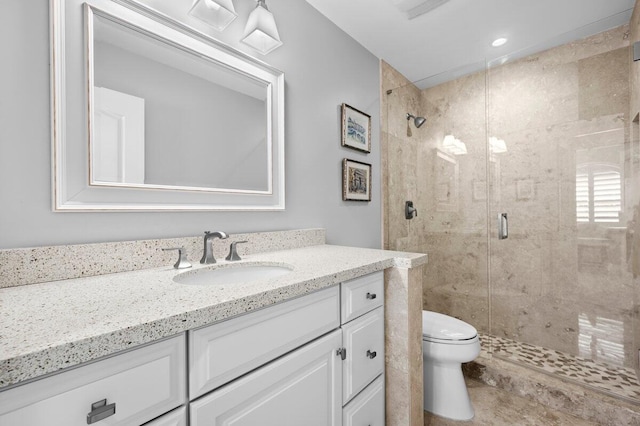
x=614, y=381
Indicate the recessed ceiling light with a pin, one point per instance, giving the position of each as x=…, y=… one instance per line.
x=499, y=42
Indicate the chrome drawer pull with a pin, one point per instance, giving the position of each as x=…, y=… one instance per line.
x=371, y=296
x=100, y=410
x=371, y=355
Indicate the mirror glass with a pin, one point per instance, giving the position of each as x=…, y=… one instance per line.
x=157, y=108
x=150, y=114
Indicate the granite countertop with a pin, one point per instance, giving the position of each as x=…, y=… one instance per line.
x=50, y=326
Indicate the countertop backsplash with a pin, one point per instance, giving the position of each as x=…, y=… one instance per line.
x=42, y=264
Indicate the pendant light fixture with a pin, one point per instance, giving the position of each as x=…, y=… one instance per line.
x=261, y=32
x=215, y=13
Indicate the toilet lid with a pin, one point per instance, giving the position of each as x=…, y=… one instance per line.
x=444, y=327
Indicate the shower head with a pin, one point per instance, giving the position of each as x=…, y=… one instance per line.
x=418, y=121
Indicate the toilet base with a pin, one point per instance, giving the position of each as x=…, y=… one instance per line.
x=445, y=392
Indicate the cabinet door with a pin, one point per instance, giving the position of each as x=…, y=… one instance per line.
x=301, y=388
x=138, y=386
x=367, y=408
x=222, y=352
x=364, y=342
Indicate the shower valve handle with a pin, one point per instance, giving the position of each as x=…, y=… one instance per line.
x=409, y=211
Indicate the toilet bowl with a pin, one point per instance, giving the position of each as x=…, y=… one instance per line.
x=446, y=343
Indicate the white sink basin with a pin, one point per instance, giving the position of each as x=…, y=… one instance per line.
x=232, y=274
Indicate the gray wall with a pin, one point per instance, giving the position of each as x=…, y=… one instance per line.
x=323, y=68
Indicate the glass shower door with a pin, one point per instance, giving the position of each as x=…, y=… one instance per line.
x=441, y=167
x=564, y=170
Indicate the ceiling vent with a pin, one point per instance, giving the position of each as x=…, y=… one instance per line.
x=415, y=8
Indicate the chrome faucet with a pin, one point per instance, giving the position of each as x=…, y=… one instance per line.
x=207, y=255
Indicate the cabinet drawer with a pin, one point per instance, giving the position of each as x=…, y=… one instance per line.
x=363, y=339
x=301, y=388
x=143, y=384
x=361, y=295
x=224, y=351
x=368, y=407
x=177, y=417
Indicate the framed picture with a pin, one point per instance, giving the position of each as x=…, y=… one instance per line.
x=356, y=129
x=356, y=181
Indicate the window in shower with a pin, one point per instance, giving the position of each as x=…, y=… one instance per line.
x=598, y=193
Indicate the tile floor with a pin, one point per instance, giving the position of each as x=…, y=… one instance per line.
x=498, y=407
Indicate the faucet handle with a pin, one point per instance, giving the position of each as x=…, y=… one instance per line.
x=182, y=262
x=233, y=253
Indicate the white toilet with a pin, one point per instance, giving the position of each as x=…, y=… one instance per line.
x=446, y=343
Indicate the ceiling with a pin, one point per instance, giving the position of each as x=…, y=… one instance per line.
x=455, y=38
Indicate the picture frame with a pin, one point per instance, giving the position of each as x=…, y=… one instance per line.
x=356, y=180
x=356, y=129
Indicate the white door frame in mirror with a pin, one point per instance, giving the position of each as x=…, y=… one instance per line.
x=71, y=97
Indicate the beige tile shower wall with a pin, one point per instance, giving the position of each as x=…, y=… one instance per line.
x=454, y=198
x=399, y=157
x=403, y=314
x=403, y=347
x=452, y=219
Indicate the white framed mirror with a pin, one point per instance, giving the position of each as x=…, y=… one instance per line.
x=147, y=116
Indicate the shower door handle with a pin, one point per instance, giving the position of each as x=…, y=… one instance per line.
x=503, y=226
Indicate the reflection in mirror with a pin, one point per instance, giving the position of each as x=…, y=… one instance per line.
x=157, y=107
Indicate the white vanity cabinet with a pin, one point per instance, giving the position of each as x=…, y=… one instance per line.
x=138, y=386
x=313, y=360
x=307, y=386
